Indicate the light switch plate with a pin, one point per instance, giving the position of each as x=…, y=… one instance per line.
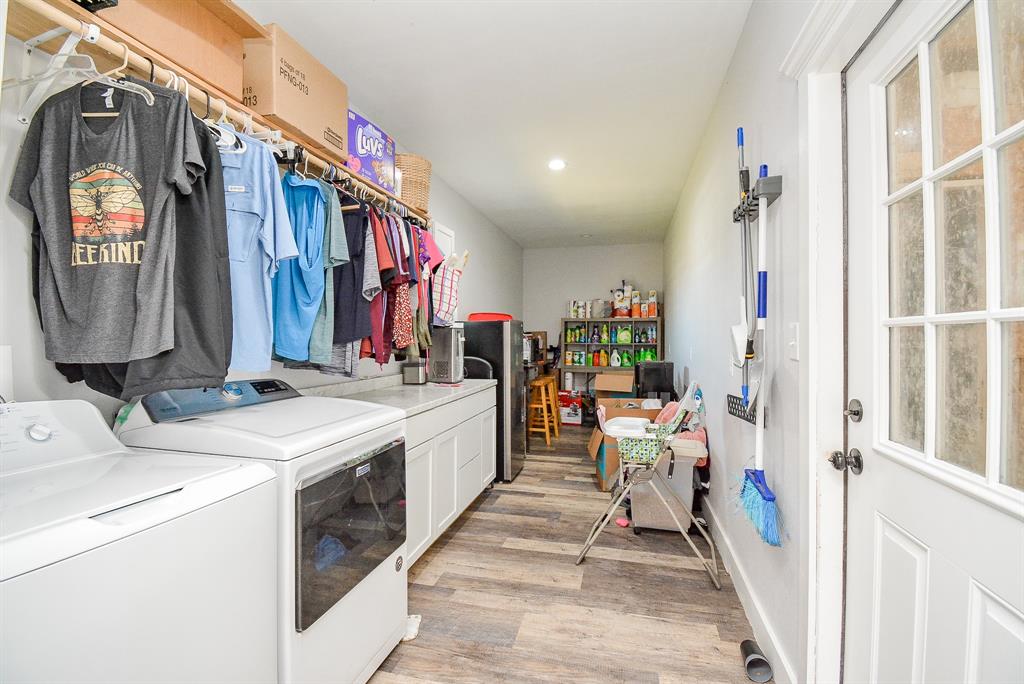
x=793, y=341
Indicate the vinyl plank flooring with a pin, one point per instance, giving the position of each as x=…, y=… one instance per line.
x=502, y=599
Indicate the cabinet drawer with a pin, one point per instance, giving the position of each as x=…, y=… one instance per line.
x=470, y=439
x=429, y=424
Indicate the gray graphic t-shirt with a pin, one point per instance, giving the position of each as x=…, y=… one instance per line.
x=102, y=191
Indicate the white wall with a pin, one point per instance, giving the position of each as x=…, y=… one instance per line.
x=552, y=276
x=493, y=280
x=702, y=282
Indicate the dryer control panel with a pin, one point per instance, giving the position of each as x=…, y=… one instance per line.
x=172, y=405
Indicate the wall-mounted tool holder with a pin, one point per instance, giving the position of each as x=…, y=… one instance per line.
x=735, y=405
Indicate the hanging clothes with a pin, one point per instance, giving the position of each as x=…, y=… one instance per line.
x=202, y=294
x=299, y=284
x=352, y=311
x=335, y=252
x=260, y=239
x=345, y=359
x=102, y=194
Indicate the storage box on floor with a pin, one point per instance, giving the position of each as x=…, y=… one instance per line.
x=613, y=386
x=647, y=510
x=603, y=449
x=570, y=407
x=290, y=87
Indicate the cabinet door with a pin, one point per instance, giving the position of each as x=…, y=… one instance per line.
x=488, y=447
x=469, y=483
x=418, y=477
x=443, y=499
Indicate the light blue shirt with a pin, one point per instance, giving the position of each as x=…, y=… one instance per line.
x=299, y=284
x=260, y=239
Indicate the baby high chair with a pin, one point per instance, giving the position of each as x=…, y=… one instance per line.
x=642, y=445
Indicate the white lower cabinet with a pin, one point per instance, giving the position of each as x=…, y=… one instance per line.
x=447, y=469
x=444, y=504
x=488, y=448
x=419, y=466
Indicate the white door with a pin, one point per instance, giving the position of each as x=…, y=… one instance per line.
x=935, y=576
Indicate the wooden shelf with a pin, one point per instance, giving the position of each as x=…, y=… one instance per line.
x=649, y=319
x=634, y=323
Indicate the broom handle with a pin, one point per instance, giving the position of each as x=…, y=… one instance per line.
x=762, y=315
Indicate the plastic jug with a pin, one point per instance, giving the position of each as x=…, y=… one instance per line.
x=615, y=359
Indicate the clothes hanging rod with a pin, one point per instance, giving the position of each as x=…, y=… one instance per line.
x=197, y=93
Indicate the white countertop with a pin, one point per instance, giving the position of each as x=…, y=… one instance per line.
x=415, y=399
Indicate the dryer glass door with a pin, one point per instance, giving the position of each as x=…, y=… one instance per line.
x=348, y=521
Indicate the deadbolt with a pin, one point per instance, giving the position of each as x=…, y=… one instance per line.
x=853, y=460
x=854, y=411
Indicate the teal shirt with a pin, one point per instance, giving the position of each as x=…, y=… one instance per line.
x=335, y=254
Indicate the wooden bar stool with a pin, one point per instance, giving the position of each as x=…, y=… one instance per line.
x=540, y=409
x=553, y=399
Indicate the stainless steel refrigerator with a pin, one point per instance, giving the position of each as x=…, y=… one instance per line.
x=501, y=344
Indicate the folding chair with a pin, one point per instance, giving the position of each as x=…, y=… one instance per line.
x=641, y=448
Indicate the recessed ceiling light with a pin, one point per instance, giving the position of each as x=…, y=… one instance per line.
x=586, y=235
x=556, y=164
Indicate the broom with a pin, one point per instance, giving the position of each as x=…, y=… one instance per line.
x=756, y=497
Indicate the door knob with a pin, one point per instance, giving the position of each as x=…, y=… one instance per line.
x=853, y=460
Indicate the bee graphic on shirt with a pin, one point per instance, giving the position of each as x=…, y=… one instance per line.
x=105, y=207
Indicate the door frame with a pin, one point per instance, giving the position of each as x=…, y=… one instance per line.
x=832, y=35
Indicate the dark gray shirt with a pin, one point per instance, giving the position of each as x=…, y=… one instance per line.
x=102, y=191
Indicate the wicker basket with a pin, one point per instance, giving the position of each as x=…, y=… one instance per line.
x=415, y=180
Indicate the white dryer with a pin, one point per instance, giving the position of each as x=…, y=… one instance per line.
x=123, y=567
x=342, y=593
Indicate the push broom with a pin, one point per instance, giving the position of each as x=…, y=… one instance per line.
x=756, y=497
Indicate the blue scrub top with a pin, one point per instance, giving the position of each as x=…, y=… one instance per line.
x=299, y=283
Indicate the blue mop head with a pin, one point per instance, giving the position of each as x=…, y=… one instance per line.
x=758, y=502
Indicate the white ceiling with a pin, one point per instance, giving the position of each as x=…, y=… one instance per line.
x=490, y=91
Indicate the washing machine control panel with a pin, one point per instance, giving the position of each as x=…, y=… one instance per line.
x=172, y=405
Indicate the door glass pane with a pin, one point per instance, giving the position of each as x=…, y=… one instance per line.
x=961, y=356
x=1011, y=216
x=960, y=243
x=906, y=257
x=1013, y=405
x=1008, y=60
x=956, y=114
x=906, y=386
x=903, y=119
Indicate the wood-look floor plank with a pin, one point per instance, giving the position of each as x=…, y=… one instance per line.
x=502, y=599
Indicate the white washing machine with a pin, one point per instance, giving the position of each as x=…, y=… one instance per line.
x=342, y=593
x=123, y=567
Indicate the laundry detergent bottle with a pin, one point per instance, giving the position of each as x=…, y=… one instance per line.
x=615, y=358
x=604, y=357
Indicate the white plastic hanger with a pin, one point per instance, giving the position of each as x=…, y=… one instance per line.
x=68, y=62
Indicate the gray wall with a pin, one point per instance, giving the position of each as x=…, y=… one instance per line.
x=702, y=282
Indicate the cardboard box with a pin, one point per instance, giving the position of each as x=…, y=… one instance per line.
x=290, y=87
x=204, y=36
x=371, y=151
x=609, y=385
x=629, y=407
x=570, y=407
x=605, y=452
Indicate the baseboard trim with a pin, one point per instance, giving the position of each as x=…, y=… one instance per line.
x=765, y=634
